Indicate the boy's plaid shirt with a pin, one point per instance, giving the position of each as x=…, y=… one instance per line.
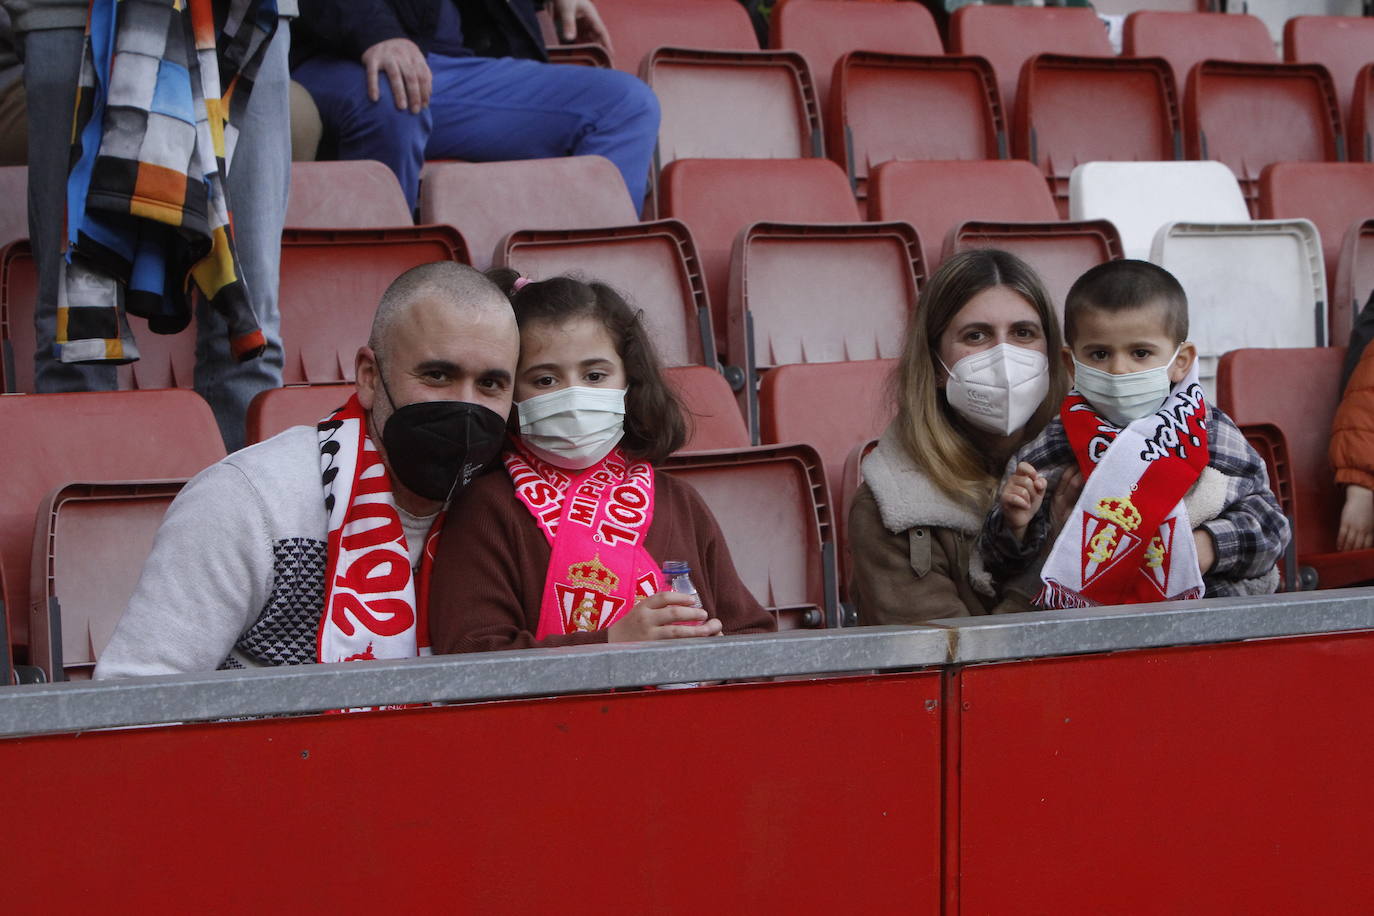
x=1251, y=532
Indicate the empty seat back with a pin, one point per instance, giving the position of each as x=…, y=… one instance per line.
x=1333, y=195
x=637, y=27
x=1257, y=284
x=89, y=546
x=278, y=409
x=14, y=215
x=893, y=106
x=937, y=196
x=830, y=406
x=1354, y=279
x=825, y=30
x=1071, y=110
x=1185, y=38
x=718, y=198
x=734, y=105
x=487, y=200
x=1139, y=197
x=773, y=507
x=331, y=282
x=54, y=439
x=1342, y=44
x=1256, y=387
x=350, y=194
x=654, y=266
x=1251, y=115
x=1059, y=252
x=713, y=415
x=1008, y=35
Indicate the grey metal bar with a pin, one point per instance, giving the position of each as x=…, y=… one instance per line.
x=1173, y=623
x=78, y=706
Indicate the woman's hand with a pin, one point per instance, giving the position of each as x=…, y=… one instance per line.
x=1357, y=519
x=1021, y=498
x=666, y=615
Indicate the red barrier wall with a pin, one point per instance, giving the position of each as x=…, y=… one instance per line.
x=1220, y=779
x=801, y=796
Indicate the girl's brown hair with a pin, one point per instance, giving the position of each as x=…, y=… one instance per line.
x=655, y=423
x=926, y=426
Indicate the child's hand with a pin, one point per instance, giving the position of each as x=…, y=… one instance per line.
x=1021, y=498
x=1357, y=519
x=1066, y=494
x=1206, y=549
x=665, y=615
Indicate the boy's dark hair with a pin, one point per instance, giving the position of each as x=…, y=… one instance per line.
x=1118, y=286
x=655, y=423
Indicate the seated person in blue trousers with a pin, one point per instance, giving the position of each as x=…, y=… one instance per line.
x=403, y=81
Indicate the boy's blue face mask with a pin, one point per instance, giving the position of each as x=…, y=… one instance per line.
x=1123, y=399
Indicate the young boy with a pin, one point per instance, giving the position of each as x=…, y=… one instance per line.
x=1138, y=491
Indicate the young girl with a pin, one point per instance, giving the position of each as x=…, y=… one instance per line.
x=567, y=545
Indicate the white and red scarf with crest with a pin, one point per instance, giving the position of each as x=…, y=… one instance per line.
x=1129, y=540
x=373, y=605
x=596, y=521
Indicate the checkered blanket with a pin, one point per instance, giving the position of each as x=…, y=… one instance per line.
x=159, y=94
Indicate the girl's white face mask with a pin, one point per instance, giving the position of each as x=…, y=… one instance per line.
x=573, y=428
x=1123, y=399
x=998, y=389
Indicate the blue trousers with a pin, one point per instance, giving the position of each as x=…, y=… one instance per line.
x=486, y=109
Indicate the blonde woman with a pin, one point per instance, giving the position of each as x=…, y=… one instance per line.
x=979, y=375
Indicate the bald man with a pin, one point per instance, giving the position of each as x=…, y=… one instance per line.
x=315, y=545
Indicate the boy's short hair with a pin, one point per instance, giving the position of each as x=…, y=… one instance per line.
x=1120, y=285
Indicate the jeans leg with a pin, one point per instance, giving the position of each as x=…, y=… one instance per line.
x=362, y=128
x=258, y=182
x=52, y=61
x=490, y=109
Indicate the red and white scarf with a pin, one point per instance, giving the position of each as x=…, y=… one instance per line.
x=373, y=607
x=596, y=521
x=1129, y=540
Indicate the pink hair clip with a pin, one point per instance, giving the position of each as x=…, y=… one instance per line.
x=521, y=283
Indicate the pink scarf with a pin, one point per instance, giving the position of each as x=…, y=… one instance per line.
x=373, y=607
x=596, y=521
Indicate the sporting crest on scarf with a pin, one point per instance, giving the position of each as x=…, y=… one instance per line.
x=373, y=605
x=1129, y=539
x=158, y=98
x=596, y=521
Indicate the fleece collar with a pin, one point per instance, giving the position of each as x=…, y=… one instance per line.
x=907, y=497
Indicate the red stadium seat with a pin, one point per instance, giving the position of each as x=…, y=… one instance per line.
x=1354, y=279
x=718, y=198
x=487, y=200
x=937, y=196
x=331, y=282
x=773, y=507
x=1185, y=38
x=278, y=409
x=734, y=105
x=352, y=194
x=1334, y=195
x=165, y=360
x=1008, y=35
x=637, y=27
x=6, y=654
x=825, y=30
x=1256, y=387
x=1071, y=110
x=653, y=265
x=1360, y=125
x=14, y=214
x=1344, y=45
x=830, y=406
x=1123, y=7
x=806, y=293
x=1059, y=252
x=1251, y=115
x=89, y=546
x=54, y=439
x=891, y=106
x=714, y=416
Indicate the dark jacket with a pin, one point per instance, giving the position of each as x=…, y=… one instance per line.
x=347, y=28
